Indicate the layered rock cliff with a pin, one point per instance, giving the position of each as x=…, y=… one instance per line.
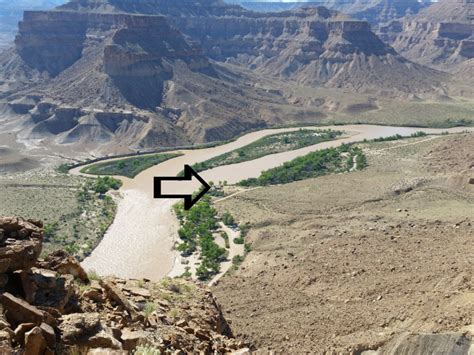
x=167, y=73
x=12, y=11
x=51, y=306
x=440, y=36
x=119, y=81
x=312, y=45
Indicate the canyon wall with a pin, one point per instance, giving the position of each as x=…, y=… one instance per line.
x=180, y=70
x=442, y=36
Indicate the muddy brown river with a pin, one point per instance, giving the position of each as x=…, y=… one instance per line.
x=140, y=242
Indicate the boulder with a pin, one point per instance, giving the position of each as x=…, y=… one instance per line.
x=138, y=291
x=35, y=343
x=103, y=339
x=86, y=329
x=131, y=339
x=4, y=264
x=64, y=264
x=117, y=296
x=5, y=339
x=47, y=288
x=18, y=311
x=49, y=335
x=21, y=330
x=77, y=328
x=21, y=244
x=94, y=292
x=3, y=322
x=19, y=254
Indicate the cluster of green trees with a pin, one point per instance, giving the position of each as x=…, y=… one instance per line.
x=321, y=162
x=275, y=143
x=397, y=137
x=129, y=167
x=104, y=184
x=197, y=226
x=361, y=161
x=64, y=168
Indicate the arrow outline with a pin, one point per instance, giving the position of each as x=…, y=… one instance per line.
x=189, y=201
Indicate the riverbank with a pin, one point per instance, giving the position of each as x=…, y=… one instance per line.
x=140, y=241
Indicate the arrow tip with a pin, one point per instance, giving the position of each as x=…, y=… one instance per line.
x=189, y=201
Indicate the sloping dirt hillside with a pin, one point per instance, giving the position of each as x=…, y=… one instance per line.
x=352, y=261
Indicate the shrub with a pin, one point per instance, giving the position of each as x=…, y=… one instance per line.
x=275, y=143
x=64, y=168
x=50, y=231
x=314, y=164
x=239, y=240
x=93, y=275
x=228, y=219
x=149, y=308
x=129, y=167
x=247, y=248
x=225, y=236
x=103, y=184
x=361, y=161
x=419, y=134
x=237, y=260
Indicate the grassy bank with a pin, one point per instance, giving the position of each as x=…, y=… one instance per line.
x=322, y=162
x=129, y=167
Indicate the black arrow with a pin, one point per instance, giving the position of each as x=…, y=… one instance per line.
x=189, y=201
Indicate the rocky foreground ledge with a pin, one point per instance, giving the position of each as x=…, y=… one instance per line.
x=51, y=306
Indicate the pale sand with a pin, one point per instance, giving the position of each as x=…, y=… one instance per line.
x=139, y=244
x=235, y=249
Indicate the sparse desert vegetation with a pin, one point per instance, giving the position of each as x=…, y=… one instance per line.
x=76, y=210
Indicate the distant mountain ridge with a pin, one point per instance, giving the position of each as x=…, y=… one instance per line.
x=121, y=75
x=373, y=11
x=328, y=42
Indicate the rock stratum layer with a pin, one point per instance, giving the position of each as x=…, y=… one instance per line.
x=117, y=75
x=50, y=306
x=441, y=36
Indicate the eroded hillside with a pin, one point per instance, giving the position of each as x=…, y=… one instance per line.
x=361, y=261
